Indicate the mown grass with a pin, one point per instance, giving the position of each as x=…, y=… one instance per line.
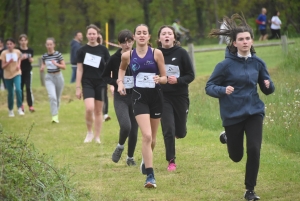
x=204, y=171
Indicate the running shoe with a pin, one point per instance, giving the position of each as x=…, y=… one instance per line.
x=150, y=182
x=55, y=119
x=143, y=168
x=89, y=137
x=20, y=111
x=97, y=140
x=11, y=113
x=223, y=137
x=250, y=195
x=117, y=154
x=130, y=162
x=106, y=117
x=31, y=109
x=171, y=167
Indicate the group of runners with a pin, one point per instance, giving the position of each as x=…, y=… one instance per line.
x=151, y=87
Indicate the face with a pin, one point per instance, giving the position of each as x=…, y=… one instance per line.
x=79, y=36
x=264, y=11
x=243, y=42
x=92, y=35
x=127, y=45
x=141, y=35
x=23, y=41
x=10, y=45
x=50, y=45
x=278, y=13
x=166, y=37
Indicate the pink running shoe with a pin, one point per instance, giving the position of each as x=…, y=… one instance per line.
x=171, y=167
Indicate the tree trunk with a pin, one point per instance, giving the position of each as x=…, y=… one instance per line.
x=145, y=6
x=4, y=23
x=216, y=14
x=199, y=14
x=112, y=28
x=26, y=17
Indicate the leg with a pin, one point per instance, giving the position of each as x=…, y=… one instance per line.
x=73, y=76
x=59, y=86
x=89, y=111
x=51, y=94
x=10, y=90
x=23, y=79
x=105, y=106
x=253, y=129
x=17, y=83
x=132, y=138
x=235, y=141
x=29, y=95
x=98, y=118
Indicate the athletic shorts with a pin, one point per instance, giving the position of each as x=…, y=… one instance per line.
x=147, y=101
x=93, y=88
x=263, y=32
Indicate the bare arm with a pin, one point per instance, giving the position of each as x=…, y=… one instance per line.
x=61, y=65
x=5, y=64
x=125, y=60
x=78, y=80
x=159, y=58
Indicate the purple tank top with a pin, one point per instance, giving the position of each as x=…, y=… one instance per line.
x=143, y=67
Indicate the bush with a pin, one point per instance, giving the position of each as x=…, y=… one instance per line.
x=28, y=175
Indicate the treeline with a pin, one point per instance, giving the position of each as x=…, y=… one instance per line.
x=61, y=18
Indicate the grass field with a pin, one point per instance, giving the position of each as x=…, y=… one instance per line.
x=204, y=170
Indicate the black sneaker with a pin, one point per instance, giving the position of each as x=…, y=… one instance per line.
x=223, y=137
x=250, y=195
x=130, y=162
x=117, y=154
x=143, y=168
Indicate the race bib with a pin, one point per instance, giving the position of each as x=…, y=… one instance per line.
x=50, y=65
x=128, y=82
x=12, y=56
x=92, y=60
x=172, y=70
x=145, y=80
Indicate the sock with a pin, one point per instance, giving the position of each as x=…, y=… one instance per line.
x=150, y=171
x=120, y=146
x=131, y=158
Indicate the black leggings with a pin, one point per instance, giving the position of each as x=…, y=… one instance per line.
x=252, y=127
x=128, y=125
x=105, y=102
x=26, y=81
x=275, y=33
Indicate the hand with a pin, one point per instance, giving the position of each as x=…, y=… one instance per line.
x=112, y=89
x=121, y=89
x=156, y=79
x=229, y=90
x=24, y=56
x=42, y=69
x=263, y=22
x=11, y=60
x=78, y=93
x=172, y=79
x=267, y=83
x=18, y=67
x=54, y=62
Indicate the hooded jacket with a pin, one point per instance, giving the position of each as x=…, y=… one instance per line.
x=112, y=69
x=177, y=57
x=243, y=75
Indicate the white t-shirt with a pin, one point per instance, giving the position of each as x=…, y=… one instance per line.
x=277, y=21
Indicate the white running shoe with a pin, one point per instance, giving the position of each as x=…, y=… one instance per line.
x=20, y=111
x=89, y=137
x=11, y=113
x=97, y=140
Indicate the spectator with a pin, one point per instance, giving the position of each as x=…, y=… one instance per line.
x=75, y=45
x=179, y=30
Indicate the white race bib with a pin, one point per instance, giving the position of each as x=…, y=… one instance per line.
x=145, y=80
x=92, y=60
x=172, y=70
x=128, y=82
x=10, y=56
x=50, y=65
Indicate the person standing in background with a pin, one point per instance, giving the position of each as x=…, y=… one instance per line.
x=275, y=26
x=11, y=60
x=26, y=68
x=75, y=45
x=262, y=24
x=54, y=81
x=2, y=83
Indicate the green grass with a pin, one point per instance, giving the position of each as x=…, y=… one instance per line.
x=204, y=170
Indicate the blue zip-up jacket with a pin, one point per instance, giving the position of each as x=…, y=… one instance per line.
x=243, y=75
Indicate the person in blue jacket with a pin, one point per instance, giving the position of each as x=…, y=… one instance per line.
x=234, y=82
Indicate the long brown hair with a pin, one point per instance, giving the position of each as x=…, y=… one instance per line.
x=234, y=25
x=159, y=31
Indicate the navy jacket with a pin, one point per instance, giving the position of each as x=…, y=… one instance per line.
x=243, y=75
x=75, y=46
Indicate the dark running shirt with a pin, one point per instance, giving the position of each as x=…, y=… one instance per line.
x=47, y=60
x=25, y=64
x=94, y=60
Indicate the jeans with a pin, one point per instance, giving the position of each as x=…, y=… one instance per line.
x=73, y=77
x=10, y=83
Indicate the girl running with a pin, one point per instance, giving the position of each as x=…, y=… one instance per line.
x=26, y=60
x=147, y=66
x=91, y=59
x=54, y=81
x=122, y=104
x=11, y=59
x=180, y=73
x=234, y=82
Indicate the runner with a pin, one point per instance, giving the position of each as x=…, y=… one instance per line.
x=54, y=81
x=26, y=68
x=91, y=59
x=180, y=73
x=234, y=82
x=11, y=60
x=147, y=66
x=123, y=104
